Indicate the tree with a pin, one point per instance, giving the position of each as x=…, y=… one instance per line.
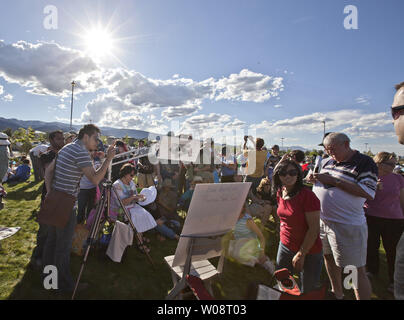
x=8, y=132
x=126, y=139
x=25, y=137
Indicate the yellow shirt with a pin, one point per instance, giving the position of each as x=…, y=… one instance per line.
x=255, y=163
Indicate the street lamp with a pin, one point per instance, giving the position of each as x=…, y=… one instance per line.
x=71, y=108
x=282, y=142
x=324, y=127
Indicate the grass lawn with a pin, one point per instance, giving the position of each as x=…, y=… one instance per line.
x=133, y=278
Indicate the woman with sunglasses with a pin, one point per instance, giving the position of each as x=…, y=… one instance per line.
x=300, y=249
x=384, y=216
x=127, y=192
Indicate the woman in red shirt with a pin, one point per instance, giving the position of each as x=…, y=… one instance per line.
x=300, y=247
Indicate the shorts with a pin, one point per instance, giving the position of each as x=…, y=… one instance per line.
x=347, y=243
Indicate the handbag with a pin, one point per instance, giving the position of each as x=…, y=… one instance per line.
x=57, y=207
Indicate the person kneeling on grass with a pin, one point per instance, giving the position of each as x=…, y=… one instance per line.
x=248, y=248
x=22, y=173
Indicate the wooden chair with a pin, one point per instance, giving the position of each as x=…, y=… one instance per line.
x=199, y=246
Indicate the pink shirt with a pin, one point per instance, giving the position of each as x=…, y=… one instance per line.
x=386, y=204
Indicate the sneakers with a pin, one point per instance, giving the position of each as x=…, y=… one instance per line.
x=330, y=295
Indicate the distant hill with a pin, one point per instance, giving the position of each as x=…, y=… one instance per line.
x=14, y=124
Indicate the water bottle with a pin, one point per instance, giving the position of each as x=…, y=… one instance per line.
x=156, y=181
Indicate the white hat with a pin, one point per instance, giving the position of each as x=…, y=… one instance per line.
x=4, y=139
x=150, y=194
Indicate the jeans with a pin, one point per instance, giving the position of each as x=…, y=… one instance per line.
x=166, y=231
x=399, y=271
x=85, y=199
x=57, y=252
x=313, y=263
x=40, y=242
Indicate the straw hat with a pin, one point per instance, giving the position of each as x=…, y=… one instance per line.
x=150, y=194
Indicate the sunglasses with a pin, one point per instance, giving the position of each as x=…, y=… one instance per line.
x=292, y=173
x=396, y=112
x=392, y=165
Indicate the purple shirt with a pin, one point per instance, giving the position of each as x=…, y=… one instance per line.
x=387, y=201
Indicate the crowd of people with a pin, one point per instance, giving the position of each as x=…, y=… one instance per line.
x=333, y=215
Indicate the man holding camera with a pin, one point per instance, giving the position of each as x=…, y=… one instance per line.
x=72, y=162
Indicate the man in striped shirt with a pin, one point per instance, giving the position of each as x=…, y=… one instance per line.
x=72, y=162
x=344, y=183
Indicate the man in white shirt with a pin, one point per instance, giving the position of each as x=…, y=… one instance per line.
x=345, y=181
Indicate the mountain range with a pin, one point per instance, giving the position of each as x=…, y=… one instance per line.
x=14, y=124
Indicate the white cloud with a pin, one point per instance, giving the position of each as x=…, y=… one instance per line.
x=363, y=99
x=278, y=106
x=47, y=68
x=176, y=112
x=1, y=90
x=248, y=86
x=8, y=98
x=62, y=106
x=353, y=122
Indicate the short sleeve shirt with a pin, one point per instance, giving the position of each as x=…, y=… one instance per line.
x=338, y=205
x=71, y=159
x=387, y=200
x=292, y=215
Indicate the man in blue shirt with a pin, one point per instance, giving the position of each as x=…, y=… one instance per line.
x=229, y=166
x=22, y=173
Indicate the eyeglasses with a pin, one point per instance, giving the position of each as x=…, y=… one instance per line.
x=292, y=173
x=396, y=112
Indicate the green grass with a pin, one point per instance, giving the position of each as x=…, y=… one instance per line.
x=133, y=278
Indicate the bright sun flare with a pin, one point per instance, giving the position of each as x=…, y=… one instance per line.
x=99, y=43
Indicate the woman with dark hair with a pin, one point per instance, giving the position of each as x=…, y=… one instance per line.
x=384, y=216
x=300, y=248
x=127, y=192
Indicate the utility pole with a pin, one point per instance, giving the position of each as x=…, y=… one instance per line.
x=282, y=141
x=324, y=127
x=71, y=108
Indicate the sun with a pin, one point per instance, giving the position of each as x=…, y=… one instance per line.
x=99, y=43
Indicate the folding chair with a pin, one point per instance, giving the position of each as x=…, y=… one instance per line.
x=197, y=273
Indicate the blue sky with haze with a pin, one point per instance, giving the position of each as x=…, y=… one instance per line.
x=277, y=67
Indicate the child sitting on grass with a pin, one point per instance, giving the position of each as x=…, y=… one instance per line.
x=248, y=247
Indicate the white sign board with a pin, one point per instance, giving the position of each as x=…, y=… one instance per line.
x=215, y=208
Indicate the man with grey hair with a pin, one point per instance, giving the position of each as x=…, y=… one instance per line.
x=344, y=183
x=397, y=112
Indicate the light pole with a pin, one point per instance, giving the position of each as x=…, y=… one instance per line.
x=282, y=141
x=366, y=147
x=71, y=108
x=324, y=127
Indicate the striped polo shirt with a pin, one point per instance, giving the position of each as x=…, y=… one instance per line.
x=71, y=159
x=338, y=205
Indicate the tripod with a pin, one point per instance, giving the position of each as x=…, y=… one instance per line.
x=102, y=207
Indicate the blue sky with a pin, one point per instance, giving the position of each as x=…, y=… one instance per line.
x=274, y=68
